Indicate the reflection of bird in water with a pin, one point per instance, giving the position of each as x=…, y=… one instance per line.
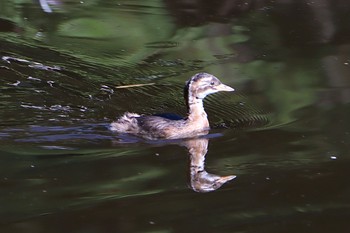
x=158, y=127
x=202, y=181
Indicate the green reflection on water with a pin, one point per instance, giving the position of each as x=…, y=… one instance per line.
x=286, y=138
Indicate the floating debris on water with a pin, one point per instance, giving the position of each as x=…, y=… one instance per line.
x=135, y=85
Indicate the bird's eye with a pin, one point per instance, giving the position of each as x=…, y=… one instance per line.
x=212, y=83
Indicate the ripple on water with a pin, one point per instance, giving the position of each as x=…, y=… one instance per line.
x=162, y=44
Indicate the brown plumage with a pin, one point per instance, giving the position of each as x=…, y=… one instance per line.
x=195, y=124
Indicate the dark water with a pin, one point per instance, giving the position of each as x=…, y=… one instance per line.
x=284, y=133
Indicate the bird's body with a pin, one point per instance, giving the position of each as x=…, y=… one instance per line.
x=195, y=124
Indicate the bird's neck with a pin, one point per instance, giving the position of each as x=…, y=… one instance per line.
x=196, y=110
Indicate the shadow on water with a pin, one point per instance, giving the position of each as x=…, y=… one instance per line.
x=284, y=135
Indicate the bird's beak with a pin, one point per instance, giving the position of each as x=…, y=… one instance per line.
x=223, y=87
x=224, y=179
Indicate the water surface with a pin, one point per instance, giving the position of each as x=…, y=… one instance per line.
x=281, y=138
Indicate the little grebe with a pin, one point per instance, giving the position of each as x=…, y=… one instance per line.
x=195, y=124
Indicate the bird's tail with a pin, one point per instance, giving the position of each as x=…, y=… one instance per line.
x=126, y=123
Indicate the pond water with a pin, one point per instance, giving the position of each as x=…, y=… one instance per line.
x=277, y=157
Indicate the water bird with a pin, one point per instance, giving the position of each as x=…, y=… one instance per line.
x=153, y=127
